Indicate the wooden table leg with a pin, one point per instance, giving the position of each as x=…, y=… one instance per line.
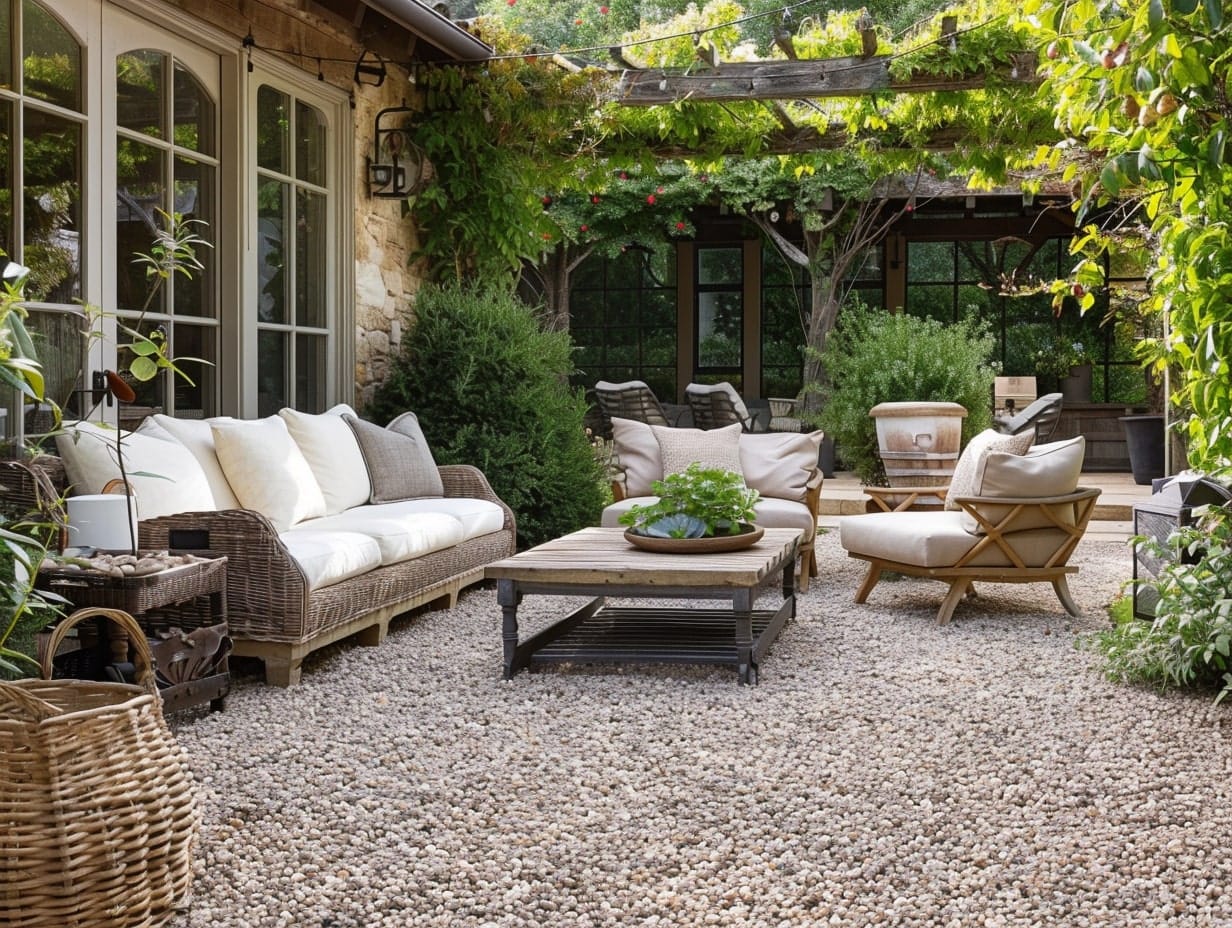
x=508, y=597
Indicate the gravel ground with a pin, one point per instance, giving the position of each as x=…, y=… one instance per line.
x=885, y=772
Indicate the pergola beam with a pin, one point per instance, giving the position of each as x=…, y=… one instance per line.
x=797, y=80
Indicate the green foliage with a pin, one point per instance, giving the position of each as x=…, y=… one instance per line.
x=717, y=498
x=1140, y=88
x=490, y=389
x=22, y=609
x=879, y=357
x=1189, y=642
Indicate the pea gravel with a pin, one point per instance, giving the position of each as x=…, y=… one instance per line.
x=885, y=772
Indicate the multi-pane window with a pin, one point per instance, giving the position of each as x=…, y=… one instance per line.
x=167, y=166
x=623, y=319
x=719, y=330
x=294, y=252
x=42, y=140
x=998, y=282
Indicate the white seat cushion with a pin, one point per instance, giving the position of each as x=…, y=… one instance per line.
x=924, y=539
x=400, y=536
x=333, y=454
x=477, y=516
x=267, y=470
x=164, y=475
x=937, y=539
x=331, y=557
x=196, y=436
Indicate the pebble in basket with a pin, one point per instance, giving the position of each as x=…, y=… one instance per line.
x=96, y=797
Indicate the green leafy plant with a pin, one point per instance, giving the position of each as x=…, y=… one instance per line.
x=490, y=389
x=1059, y=353
x=23, y=609
x=878, y=357
x=1189, y=643
x=697, y=502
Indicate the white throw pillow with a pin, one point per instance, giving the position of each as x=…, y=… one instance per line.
x=636, y=452
x=267, y=470
x=713, y=448
x=164, y=475
x=330, y=448
x=195, y=435
x=969, y=469
x=778, y=465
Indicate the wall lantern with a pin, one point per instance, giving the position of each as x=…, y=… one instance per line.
x=398, y=166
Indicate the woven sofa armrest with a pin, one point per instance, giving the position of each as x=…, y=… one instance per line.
x=245, y=536
x=468, y=481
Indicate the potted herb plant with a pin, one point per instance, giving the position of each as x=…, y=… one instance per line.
x=699, y=503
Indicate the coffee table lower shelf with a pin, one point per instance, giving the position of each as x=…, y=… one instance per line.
x=598, y=633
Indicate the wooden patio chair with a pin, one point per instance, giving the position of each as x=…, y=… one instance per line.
x=1021, y=526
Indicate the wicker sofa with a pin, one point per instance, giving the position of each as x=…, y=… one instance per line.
x=295, y=584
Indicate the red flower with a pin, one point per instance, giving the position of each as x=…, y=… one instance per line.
x=547, y=236
x=511, y=2
x=577, y=22
x=650, y=199
x=594, y=199
x=603, y=10
x=583, y=227
x=659, y=190
x=624, y=176
x=547, y=201
x=680, y=227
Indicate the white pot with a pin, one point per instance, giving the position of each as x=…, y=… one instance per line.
x=101, y=521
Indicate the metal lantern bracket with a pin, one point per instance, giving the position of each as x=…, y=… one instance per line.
x=397, y=166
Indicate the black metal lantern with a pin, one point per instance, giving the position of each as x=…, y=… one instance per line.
x=398, y=164
x=1168, y=509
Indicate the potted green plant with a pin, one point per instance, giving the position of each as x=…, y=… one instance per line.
x=1068, y=361
x=877, y=357
x=697, y=503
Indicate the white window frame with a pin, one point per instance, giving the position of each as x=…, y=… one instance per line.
x=339, y=312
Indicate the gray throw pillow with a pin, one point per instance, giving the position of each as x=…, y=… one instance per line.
x=400, y=464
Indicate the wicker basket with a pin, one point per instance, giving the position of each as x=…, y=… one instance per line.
x=97, y=815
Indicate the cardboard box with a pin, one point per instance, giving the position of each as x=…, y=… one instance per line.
x=1011, y=395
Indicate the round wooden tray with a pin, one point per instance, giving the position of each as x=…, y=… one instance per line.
x=749, y=536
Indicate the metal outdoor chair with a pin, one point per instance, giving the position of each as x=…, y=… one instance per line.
x=1042, y=415
x=716, y=405
x=632, y=399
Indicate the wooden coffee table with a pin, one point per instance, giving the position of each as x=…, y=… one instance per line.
x=599, y=562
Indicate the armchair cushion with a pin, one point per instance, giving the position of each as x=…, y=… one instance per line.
x=717, y=448
x=969, y=469
x=1053, y=469
x=779, y=464
x=647, y=452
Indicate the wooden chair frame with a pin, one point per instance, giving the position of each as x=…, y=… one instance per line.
x=962, y=575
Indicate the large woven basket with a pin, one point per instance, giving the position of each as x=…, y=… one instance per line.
x=97, y=815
